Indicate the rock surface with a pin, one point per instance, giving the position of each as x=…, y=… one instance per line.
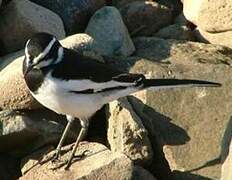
x=109, y=32
x=226, y=153
x=23, y=132
x=7, y=59
x=176, y=31
x=9, y=167
x=126, y=133
x=79, y=42
x=210, y=16
x=121, y=3
x=32, y=18
x=75, y=14
x=189, y=122
x=221, y=38
x=100, y=163
x=145, y=18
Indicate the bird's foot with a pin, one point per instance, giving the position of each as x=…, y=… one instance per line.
x=67, y=163
x=54, y=156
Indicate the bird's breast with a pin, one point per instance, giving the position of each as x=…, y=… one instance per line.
x=34, y=79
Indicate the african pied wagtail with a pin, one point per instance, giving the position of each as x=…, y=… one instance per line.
x=76, y=86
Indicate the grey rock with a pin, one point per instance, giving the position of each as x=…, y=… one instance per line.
x=24, y=132
x=189, y=123
x=32, y=18
x=145, y=18
x=181, y=20
x=126, y=133
x=75, y=14
x=9, y=58
x=140, y=173
x=101, y=163
x=121, y=3
x=175, y=5
x=9, y=167
x=109, y=32
x=176, y=31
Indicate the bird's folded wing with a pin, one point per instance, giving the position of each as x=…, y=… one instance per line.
x=79, y=73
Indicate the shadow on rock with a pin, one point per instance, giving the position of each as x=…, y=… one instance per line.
x=161, y=131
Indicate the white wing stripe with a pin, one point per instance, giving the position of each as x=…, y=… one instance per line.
x=81, y=85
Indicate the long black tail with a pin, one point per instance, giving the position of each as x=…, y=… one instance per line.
x=173, y=83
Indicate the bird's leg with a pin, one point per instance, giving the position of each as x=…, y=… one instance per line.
x=63, y=137
x=56, y=155
x=84, y=128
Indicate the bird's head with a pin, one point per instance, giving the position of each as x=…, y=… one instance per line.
x=42, y=50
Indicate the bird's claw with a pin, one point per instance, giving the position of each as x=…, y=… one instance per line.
x=61, y=163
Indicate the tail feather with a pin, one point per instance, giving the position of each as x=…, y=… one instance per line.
x=171, y=83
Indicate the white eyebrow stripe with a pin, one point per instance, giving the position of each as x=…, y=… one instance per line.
x=45, y=52
x=60, y=55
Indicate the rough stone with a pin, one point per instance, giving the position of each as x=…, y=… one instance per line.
x=226, y=167
x=181, y=20
x=145, y=18
x=79, y=42
x=210, y=16
x=221, y=38
x=126, y=133
x=15, y=94
x=100, y=163
x=176, y=31
x=24, y=132
x=188, y=122
x=7, y=59
x=32, y=18
x=140, y=173
x=75, y=14
x=226, y=153
x=9, y=167
x=175, y=5
x=121, y=3
x=109, y=32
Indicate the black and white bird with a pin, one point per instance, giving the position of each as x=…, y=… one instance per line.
x=76, y=86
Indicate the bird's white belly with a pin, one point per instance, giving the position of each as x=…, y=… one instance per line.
x=64, y=102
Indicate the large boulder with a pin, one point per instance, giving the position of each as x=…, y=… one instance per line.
x=226, y=153
x=210, y=16
x=33, y=18
x=75, y=14
x=24, y=132
x=213, y=19
x=176, y=31
x=221, y=38
x=109, y=32
x=189, y=123
x=100, y=163
x=145, y=18
x=126, y=133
